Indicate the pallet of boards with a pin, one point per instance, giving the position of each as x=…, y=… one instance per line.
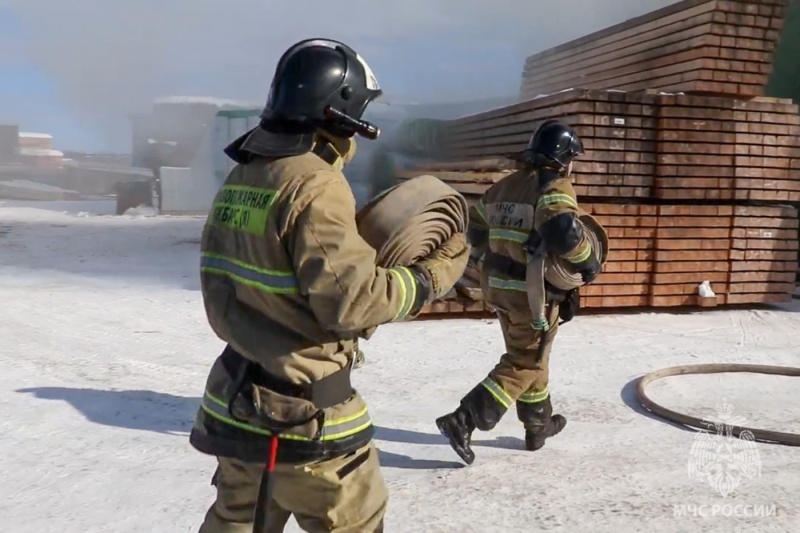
x=660, y=255
x=727, y=149
x=457, y=306
x=464, y=299
x=617, y=128
x=626, y=276
x=650, y=145
x=699, y=46
x=471, y=178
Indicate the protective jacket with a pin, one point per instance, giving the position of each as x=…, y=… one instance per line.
x=516, y=215
x=290, y=285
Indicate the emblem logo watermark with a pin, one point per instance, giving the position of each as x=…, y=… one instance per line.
x=720, y=458
x=724, y=457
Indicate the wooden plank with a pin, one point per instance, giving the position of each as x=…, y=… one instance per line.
x=668, y=40
x=539, y=103
x=699, y=76
x=699, y=36
x=728, y=25
x=639, y=25
x=691, y=45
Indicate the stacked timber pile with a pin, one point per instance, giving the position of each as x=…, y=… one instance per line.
x=36, y=150
x=654, y=146
x=701, y=46
x=698, y=191
x=661, y=253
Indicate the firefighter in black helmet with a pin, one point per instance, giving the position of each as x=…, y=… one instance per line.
x=289, y=284
x=532, y=208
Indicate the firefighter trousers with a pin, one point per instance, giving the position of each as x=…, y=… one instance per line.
x=521, y=375
x=342, y=495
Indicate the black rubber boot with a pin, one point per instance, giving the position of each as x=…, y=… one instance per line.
x=457, y=427
x=540, y=423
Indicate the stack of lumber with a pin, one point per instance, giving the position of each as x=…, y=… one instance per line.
x=652, y=152
x=701, y=46
x=617, y=128
x=464, y=299
x=43, y=141
x=653, y=146
x=727, y=149
x=662, y=253
x=693, y=172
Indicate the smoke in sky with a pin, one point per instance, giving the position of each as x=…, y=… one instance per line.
x=110, y=58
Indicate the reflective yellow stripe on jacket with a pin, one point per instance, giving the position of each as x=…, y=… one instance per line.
x=581, y=253
x=501, y=234
x=275, y=281
x=334, y=429
x=408, y=288
x=555, y=198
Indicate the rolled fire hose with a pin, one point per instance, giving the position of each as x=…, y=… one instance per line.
x=409, y=221
x=559, y=272
x=760, y=435
x=404, y=224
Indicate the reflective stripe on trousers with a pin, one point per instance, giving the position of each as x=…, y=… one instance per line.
x=534, y=397
x=504, y=399
x=498, y=392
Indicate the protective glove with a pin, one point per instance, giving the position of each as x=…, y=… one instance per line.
x=568, y=308
x=446, y=264
x=589, y=269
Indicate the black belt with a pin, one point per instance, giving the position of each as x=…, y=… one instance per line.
x=324, y=393
x=502, y=264
x=505, y=266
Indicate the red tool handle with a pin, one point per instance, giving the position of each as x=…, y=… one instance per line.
x=265, y=488
x=273, y=453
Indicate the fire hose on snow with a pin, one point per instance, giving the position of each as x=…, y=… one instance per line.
x=760, y=435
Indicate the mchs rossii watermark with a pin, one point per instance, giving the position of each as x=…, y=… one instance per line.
x=724, y=459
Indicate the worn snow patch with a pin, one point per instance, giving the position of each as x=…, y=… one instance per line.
x=32, y=135
x=108, y=348
x=141, y=211
x=40, y=152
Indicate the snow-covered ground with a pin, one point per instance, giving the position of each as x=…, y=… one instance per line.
x=104, y=351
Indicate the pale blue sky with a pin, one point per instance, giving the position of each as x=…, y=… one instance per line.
x=77, y=69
